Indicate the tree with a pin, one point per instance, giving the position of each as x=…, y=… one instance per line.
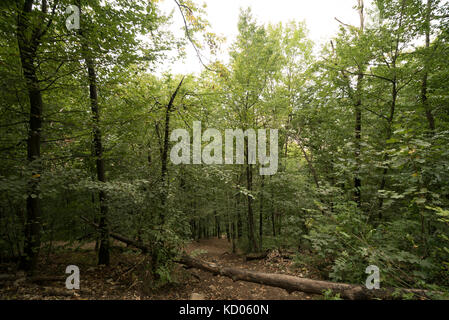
x=32, y=25
x=254, y=62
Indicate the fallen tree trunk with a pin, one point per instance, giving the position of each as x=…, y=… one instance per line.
x=291, y=283
x=121, y=238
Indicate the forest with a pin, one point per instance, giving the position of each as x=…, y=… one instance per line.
x=111, y=166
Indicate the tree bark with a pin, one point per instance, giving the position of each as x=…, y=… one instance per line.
x=29, y=39
x=164, y=155
x=239, y=218
x=273, y=222
x=358, y=140
x=424, y=85
x=217, y=225
x=103, y=252
x=389, y=135
x=292, y=284
x=261, y=215
x=358, y=117
x=251, y=238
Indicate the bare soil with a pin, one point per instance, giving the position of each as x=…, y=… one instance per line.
x=129, y=276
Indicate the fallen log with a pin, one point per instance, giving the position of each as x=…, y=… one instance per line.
x=121, y=238
x=290, y=283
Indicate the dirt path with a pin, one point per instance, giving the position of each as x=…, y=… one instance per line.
x=127, y=276
x=223, y=288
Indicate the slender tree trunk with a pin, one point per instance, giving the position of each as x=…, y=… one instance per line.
x=28, y=38
x=103, y=252
x=251, y=237
x=279, y=214
x=33, y=202
x=233, y=232
x=309, y=163
x=358, y=118
x=261, y=215
x=239, y=218
x=394, y=96
x=97, y=239
x=389, y=135
x=217, y=230
x=164, y=156
x=273, y=222
x=424, y=85
x=358, y=141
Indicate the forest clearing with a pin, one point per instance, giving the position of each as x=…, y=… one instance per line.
x=286, y=167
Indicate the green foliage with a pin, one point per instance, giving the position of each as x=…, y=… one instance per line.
x=328, y=295
x=380, y=77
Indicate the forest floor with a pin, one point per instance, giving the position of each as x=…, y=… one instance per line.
x=128, y=277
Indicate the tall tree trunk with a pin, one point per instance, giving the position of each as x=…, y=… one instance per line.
x=358, y=143
x=233, y=232
x=358, y=117
x=261, y=215
x=249, y=181
x=424, y=85
x=279, y=215
x=273, y=218
x=103, y=252
x=389, y=135
x=167, y=130
x=394, y=96
x=29, y=38
x=33, y=202
x=217, y=231
x=239, y=218
x=164, y=155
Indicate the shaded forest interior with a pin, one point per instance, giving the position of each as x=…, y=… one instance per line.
x=100, y=165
